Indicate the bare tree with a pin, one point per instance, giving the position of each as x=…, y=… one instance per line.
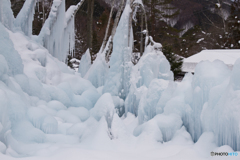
x=108, y=25
x=133, y=5
x=90, y=25
x=114, y=29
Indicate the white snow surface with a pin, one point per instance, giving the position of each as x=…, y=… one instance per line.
x=229, y=57
x=47, y=111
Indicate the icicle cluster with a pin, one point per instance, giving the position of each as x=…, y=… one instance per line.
x=58, y=32
x=69, y=31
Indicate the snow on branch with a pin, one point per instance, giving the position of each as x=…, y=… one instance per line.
x=58, y=32
x=69, y=30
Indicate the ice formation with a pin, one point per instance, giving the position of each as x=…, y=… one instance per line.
x=117, y=82
x=85, y=63
x=9, y=55
x=104, y=107
x=58, y=33
x=25, y=17
x=153, y=64
x=6, y=14
x=98, y=71
x=46, y=107
x=69, y=31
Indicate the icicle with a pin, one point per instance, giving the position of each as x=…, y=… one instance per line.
x=69, y=31
x=58, y=32
x=52, y=33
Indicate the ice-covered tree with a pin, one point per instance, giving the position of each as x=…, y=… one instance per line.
x=6, y=14
x=120, y=62
x=97, y=73
x=57, y=33
x=25, y=17
x=51, y=34
x=69, y=30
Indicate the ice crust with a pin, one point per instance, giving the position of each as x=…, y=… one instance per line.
x=45, y=106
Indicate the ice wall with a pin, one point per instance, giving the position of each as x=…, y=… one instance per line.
x=6, y=14
x=207, y=76
x=206, y=102
x=25, y=17
x=221, y=113
x=149, y=100
x=120, y=62
x=152, y=65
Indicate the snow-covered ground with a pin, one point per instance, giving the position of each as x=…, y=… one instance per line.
x=48, y=111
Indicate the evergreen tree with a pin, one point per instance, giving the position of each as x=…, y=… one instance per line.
x=174, y=60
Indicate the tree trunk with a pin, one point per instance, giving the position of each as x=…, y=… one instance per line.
x=43, y=8
x=76, y=10
x=141, y=44
x=79, y=5
x=108, y=25
x=130, y=22
x=114, y=29
x=90, y=25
